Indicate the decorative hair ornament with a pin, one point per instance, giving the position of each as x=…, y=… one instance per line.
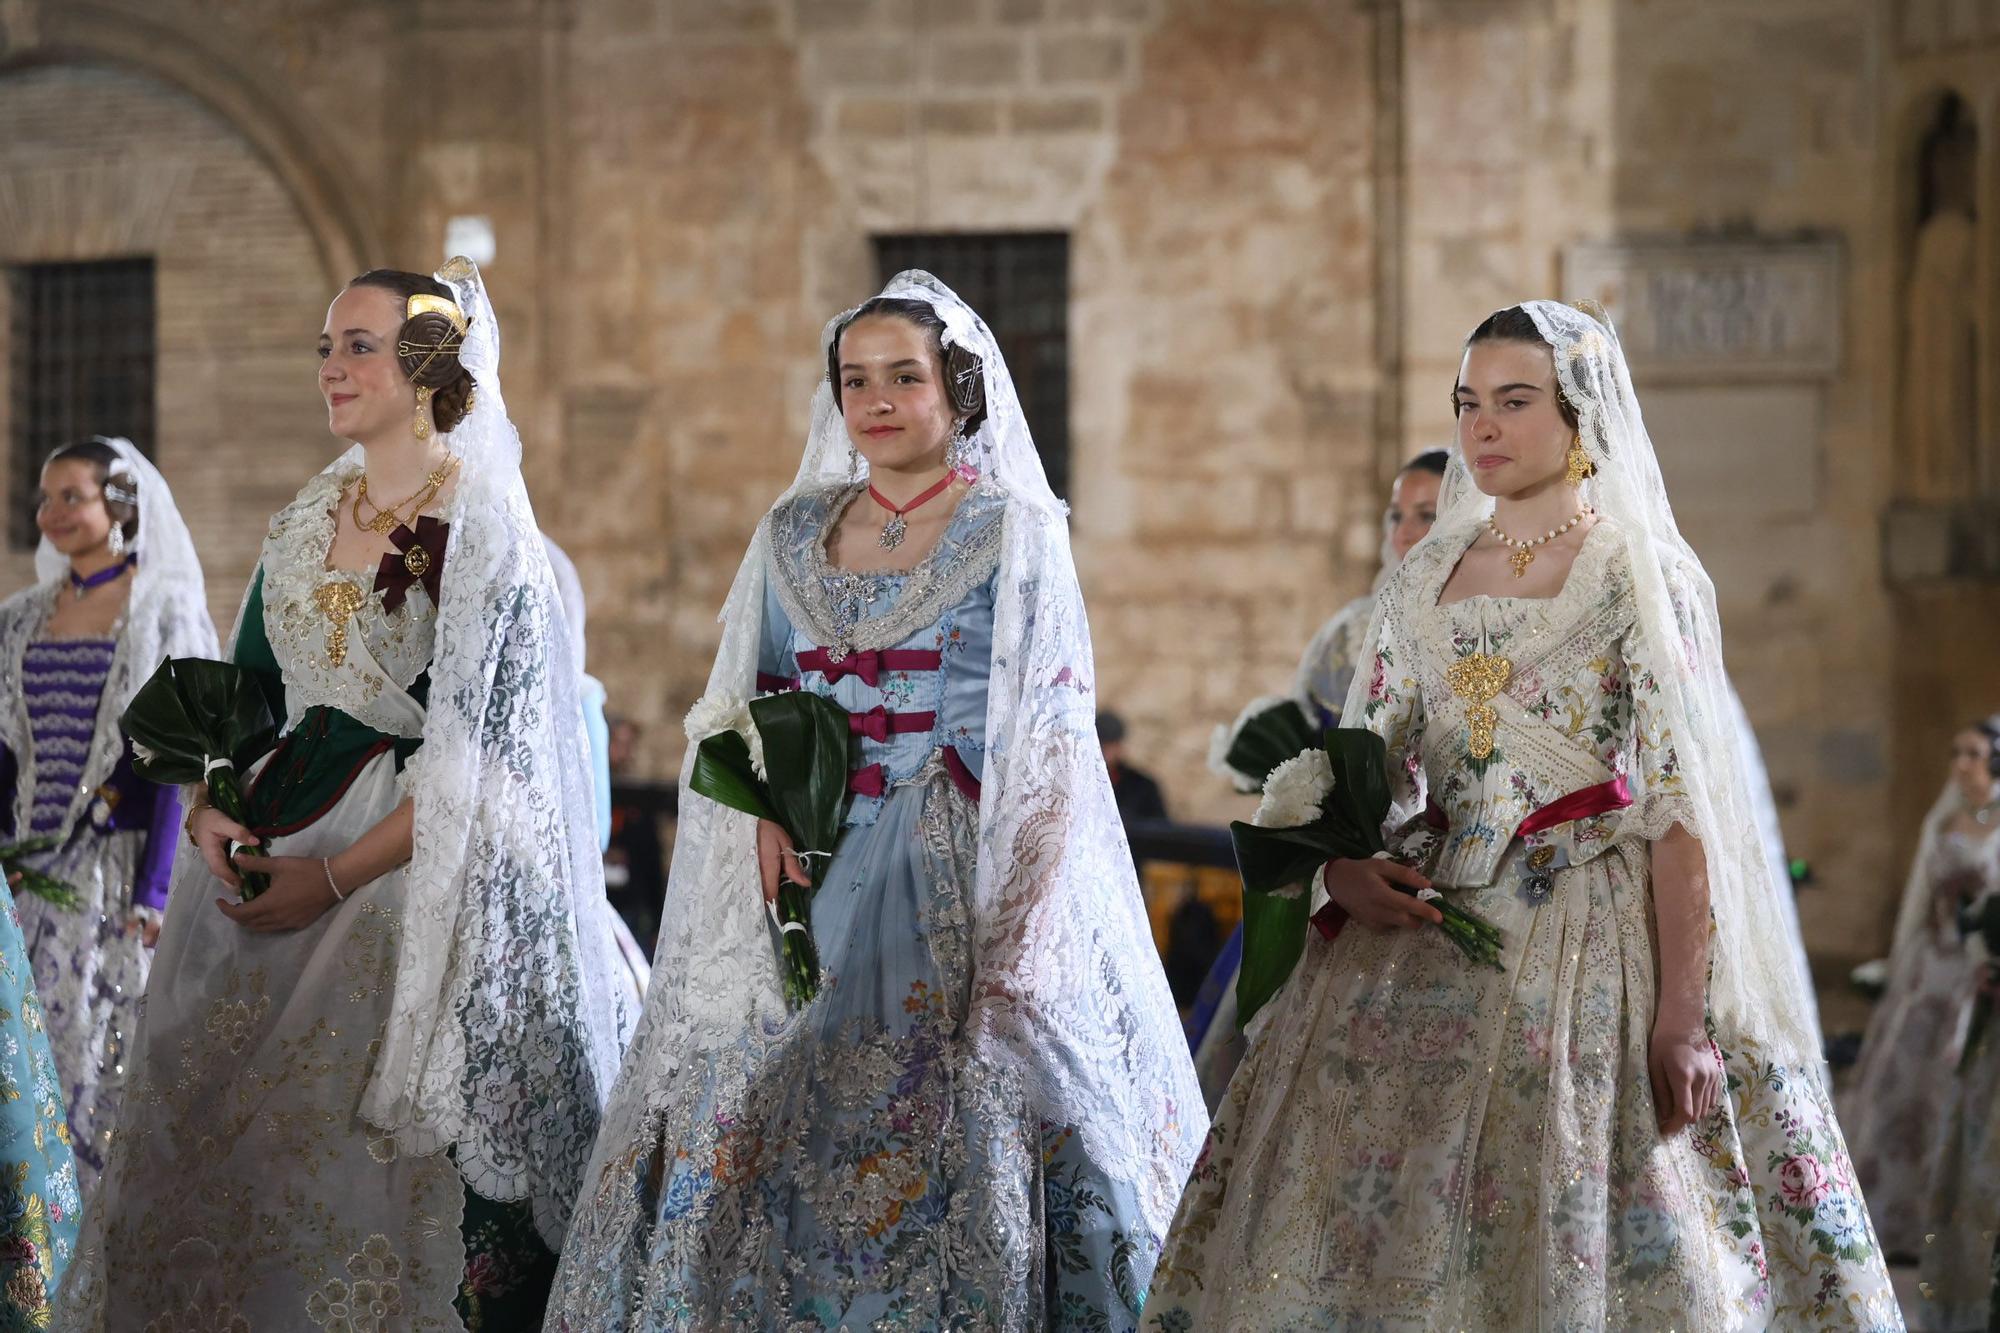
x=119, y=488
x=423, y=303
x=1595, y=309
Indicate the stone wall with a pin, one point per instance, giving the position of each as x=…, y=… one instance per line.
x=103, y=162
x=1284, y=216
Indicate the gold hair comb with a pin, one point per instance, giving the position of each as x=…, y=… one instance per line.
x=423, y=303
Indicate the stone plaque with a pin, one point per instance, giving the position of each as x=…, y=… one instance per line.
x=1717, y=310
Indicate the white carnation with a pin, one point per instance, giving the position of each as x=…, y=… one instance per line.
x=714, y=714
x=1295, y=791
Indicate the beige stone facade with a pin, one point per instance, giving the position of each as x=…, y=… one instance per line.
x=1283, y=217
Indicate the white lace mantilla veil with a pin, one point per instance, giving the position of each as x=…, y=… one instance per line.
x=507, y=1024
x=166, y=614
x=1913, y=913
x=1755, y=986
x=1067, y=990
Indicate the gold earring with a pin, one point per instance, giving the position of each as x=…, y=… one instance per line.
x=421, y=426
x=1580, y=466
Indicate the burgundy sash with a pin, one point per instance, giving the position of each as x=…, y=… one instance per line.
x=1599, y=800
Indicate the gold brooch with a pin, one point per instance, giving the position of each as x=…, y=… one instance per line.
x=417, y=560
x=1479, y=678
x=337, y=600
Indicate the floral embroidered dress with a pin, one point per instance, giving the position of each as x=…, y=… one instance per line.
x=1415, y=1142
x=1912, y=1046
x=865, y=1174
x=245, y=1186
x=39, y=1198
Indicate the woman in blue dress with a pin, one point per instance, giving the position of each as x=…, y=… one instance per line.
x=984, y=1117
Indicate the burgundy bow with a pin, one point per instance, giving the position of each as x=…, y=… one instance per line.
x=867, y=665
x=874, y=724
x=870, y=663
x=867, y=781
x=418, y=558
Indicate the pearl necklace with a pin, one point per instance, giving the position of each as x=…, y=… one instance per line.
x=1524, y=550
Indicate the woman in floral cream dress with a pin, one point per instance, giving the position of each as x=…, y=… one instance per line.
x=1623, y=1124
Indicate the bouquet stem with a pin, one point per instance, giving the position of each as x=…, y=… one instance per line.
x=32, y=880
x=797, y=952
x=225, y=793
x=1476, y=937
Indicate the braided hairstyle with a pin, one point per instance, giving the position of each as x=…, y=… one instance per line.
x=427, y=345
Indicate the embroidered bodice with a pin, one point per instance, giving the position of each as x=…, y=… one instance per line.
x=1496, y=707
x=907, y=654
x=62, y=681
x=336, y=642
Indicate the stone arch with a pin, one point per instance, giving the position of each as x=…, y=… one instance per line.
x=79, y=32
x=110, y=160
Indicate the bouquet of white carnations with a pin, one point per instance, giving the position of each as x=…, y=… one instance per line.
x=1326, y=802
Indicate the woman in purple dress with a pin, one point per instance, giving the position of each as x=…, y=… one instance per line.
x=119, y=588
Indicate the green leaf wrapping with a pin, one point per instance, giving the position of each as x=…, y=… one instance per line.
x=1270, y=738
x=1270, y=859
x=806, y=743
x=722, y=772
x=195, y=710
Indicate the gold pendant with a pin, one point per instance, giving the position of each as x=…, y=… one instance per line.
x=337, y=601
x=1478, y=678
x=1523, y=557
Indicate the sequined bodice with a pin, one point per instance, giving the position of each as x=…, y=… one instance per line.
x=907, y=654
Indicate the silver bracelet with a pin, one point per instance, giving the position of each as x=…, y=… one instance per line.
x=326, y=864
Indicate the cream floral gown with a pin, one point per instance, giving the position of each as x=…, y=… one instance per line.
x=1415, y=1142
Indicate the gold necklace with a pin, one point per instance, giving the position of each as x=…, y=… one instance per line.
x=388, y=519
x=1524, y=550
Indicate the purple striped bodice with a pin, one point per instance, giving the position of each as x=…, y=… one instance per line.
x=63, y=680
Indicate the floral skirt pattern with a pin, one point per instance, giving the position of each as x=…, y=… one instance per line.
x=39, y=1198
x=858, y=1170
x=1414, y=1143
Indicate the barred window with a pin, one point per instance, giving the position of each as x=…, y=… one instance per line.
x=82, y=356
x=1019, y=283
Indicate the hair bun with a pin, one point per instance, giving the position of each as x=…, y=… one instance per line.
x=427, y=347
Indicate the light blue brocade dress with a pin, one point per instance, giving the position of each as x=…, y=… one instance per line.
x=873, y=1177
